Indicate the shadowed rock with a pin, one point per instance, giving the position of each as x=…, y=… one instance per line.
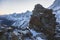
x=43, y=20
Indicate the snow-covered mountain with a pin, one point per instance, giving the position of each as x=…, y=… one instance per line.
x=21, y=20
x=56, y=9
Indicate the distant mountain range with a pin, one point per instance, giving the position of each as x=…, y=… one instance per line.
x=17, y=20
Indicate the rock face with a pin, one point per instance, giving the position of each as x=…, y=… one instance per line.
x=43, y=21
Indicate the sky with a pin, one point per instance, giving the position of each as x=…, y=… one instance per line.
x=19, y=6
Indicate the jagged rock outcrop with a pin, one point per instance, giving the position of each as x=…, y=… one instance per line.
x=44, y=21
